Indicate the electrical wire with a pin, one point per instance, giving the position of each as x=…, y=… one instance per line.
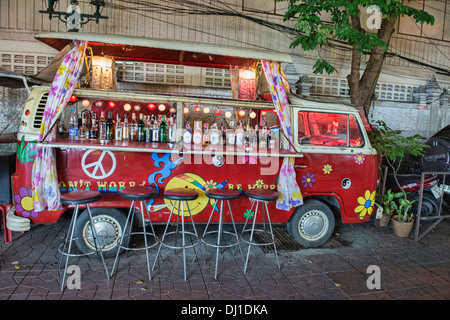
x=186, y=7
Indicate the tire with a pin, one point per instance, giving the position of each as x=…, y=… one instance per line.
x=312, y=224
x=109, y=224
x=430, y=207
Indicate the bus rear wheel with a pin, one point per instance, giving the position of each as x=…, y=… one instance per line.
x=312, y=224
x=109, y=224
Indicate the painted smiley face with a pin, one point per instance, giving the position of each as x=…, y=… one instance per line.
x=191, y=181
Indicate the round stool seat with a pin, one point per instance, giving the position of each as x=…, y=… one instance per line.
x=262, y=194
x=80, y=197
x=222, y=194
x=183, y=194
x=138, y=193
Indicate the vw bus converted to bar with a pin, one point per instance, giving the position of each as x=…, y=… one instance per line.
x=335, y=166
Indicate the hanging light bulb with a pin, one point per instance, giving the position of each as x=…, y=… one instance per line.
x=197, y=109
x=242, y=113
x=206, y=109
x=137, y=108
x=253, y=114
x=85, y=103
x=228, y=114
x=186, y=110
x=218, y=112
x=162, y=107
x=151, y=106
x=127, y=107
x=111, y=104
x=73, y=98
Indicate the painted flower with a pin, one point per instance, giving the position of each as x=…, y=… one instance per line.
x=359, y=158
x=365, y=204
x=308, y=180
x=259, y=183
x=248, y=214
x=211, y=184
x=327, y=169
x=24, y=203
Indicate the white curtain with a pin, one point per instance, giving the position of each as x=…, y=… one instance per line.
x=45, y=179
x=288, y=188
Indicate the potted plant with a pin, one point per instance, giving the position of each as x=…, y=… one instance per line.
x=403, y=221
x=393, y=147
x=389, y=205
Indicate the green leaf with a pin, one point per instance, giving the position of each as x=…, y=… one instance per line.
x=322, y=65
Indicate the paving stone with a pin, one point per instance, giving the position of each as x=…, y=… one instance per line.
x=409, y=270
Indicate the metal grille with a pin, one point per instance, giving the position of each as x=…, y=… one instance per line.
x=40, y=111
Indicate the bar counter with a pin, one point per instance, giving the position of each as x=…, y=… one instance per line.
x=180, y=148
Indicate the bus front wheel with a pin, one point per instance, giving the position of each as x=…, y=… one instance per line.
x=312, y=224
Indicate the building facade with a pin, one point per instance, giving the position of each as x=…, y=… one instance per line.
x=413, y=83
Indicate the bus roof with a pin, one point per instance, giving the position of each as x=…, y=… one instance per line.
x=130, y=48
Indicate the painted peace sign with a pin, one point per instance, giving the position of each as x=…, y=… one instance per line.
x=98, y=165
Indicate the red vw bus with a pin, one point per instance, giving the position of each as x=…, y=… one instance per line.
x=335, y=164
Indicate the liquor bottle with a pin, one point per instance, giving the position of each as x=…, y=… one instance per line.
x=141, y=129
x=223, y=135
x=163, y=130
x=254, y=138
x=83, y=131
x=155, y=131
x=148, y=129
x=270, y=140
x=240, y=135
x=125, y=128
x=102, y=128
x=247, y=134
x=206, y=134
x=187, y=136
x=93, y=131
x=197, y=135
x=73, y=125
x=118, y=129
x=263, y=138
x=133, y=127
x=214, y=137
x=231, y=135
x=171, y=135
x=109, y=128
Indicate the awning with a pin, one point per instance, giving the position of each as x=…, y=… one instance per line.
x=129, y=48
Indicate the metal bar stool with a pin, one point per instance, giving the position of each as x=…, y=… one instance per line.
x=76, y=198
x=221, y=195
x=137, y=193
x=180, y=196
x=262, y=196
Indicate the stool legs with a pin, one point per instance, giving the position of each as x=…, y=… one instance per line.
x=183, y=233
x=70, y=239
x=220, y=233
x=129, y=222
x=250, y=242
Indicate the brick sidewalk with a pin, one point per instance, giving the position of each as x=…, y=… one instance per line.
x=338, y=271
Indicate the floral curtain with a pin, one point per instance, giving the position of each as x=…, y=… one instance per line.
x=234, y=80
x=44, y=178
x=288, y=188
